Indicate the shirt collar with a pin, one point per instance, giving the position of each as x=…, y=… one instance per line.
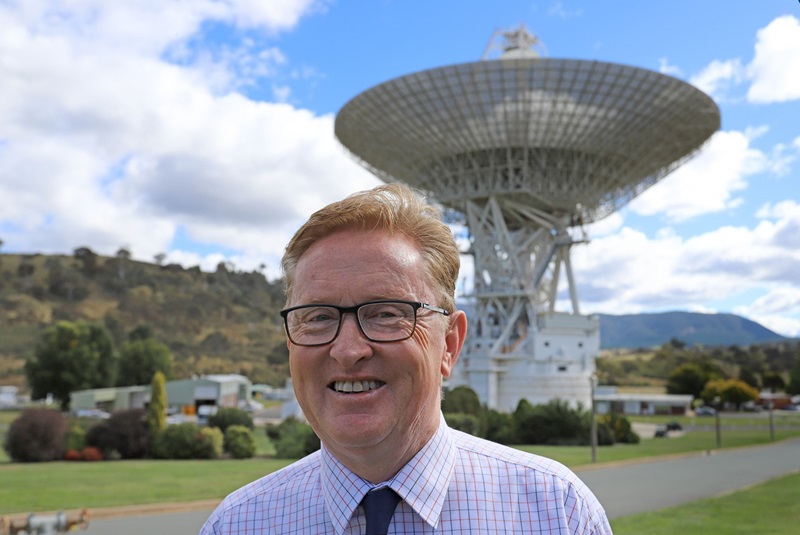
x=422, y=483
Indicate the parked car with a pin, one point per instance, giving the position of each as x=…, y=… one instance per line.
x=705, y=410
x=661, y=432
x=176, y=418
x=96, y=414
x=674, y=425
x=751, y=406
x=795, y=408
x=204, y=412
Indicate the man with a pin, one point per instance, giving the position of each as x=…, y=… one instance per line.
x=372, y=330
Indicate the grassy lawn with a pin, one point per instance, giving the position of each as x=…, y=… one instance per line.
x=769, y=508
x=74, y=485
x=696, y=441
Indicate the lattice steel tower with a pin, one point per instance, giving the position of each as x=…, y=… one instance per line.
x=528, y=150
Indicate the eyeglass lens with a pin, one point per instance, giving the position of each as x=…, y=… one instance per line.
x=380, y=322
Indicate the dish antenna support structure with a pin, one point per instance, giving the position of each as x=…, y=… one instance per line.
x=527, y=150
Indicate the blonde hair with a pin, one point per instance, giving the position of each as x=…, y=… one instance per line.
x=391, y=207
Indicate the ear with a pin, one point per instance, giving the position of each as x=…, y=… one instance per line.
x=454, y=341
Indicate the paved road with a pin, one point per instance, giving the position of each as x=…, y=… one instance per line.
x=622, y=489
x=648, y=486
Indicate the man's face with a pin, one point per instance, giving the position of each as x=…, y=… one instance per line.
x=401, y=410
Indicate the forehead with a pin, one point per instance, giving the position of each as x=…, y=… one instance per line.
x=353, y=266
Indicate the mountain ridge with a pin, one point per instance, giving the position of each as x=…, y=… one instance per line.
x=692, y=328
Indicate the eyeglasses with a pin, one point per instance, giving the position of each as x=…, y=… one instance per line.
x=379, y=321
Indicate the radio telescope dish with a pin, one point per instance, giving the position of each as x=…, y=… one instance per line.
x=526, y=148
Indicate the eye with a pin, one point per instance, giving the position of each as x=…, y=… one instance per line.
x=316, y=315
x=386, y=311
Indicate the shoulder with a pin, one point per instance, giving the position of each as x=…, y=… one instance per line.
x=545, y=484
x=267, y=493
x=491, y=452
x=530, y=474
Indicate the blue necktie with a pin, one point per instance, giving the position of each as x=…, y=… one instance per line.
x=379, y=505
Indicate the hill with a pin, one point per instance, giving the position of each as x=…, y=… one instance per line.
x=220, y=322
x=649, y=330
x=227, y=321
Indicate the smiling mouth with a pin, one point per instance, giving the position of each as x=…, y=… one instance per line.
x=355, y=387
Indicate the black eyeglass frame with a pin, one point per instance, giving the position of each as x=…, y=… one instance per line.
x=354, y=310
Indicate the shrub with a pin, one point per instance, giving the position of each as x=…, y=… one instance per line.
x=36, y=435
x=90, y=453
x=468, y=423
x=125, y=433
x=462, y=399
x=605, y=435
x=621, y=428
x=239, y=442
x=498, y=427
x=75, y=438
x=554, y=423
x=188, y=441
x=212, y=443
x=292, y=439
x=228, y=416
x=73, y=455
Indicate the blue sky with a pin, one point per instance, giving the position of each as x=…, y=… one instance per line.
x=204, y=130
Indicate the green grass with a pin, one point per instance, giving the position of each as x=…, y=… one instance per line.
x=75, y=485
x=64, y=485
x=770, y=508
x=696, y=441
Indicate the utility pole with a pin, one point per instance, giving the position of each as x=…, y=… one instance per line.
x=593, y=382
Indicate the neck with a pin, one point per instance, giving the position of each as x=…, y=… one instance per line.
x=379, y=464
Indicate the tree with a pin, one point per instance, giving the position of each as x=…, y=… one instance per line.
x=675, y=343
x=106, y=368
x=793, y=388
x=88, y=259
x=123, y=257
x=139, y=360
x=159, y=258
x=747, y=375
x=773, y=382
x=143, y=331
x=157, y=410
x=25, y=272
x=70, y=356
x=687, y=379
x=732, y=391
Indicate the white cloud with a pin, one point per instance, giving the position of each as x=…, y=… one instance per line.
x=628, y=272
x=709, y=182
x=778, y=310
x=605, y=226
x=719, y=75
x=558, y=10
x=664, y=67
x=773, y=73
x=104, y=142
x=775, y=69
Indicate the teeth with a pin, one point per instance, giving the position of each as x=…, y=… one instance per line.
x=356, y=386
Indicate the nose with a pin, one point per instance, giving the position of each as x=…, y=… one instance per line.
x=350, y=346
